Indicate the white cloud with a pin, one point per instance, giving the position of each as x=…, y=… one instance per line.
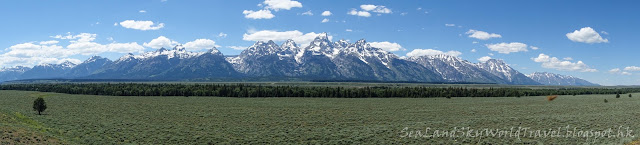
x=387, y=46
x=161, y=42
x=222, y=35
x=237, y=47
x=482, y=35
x=260, y=14
x=475, y=42
x=200, y=44
x=586, y=35
x=82, y=37
x=115, y=24
x=359, y=13
x=125, y=47
x=567, y=58
x=49, y=42
x=431, y=52
x=326, y=13
x=297, y=36
x=615, y=70
x=450, y=25
x=632, y=68
x=325, y=20
x=490, y=54
x=618, y=71
x=308, y=13
x=474, y=50
x=484, y=58
x=555, y=63
x=27, y=54
x=142, y=11
x=349, y=30
x=534, y=48
x=377, y=9
x=141, y=25
x=277, y=5
x=507, y=48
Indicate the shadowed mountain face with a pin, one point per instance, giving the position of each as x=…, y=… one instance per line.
x=322, y=59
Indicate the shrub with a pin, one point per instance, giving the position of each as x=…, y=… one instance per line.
x=39, y=105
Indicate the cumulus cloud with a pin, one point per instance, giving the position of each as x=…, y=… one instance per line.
x=326, y=13
x=450, y=25
x=474, y=50
x=82, y=37
x=431, y=52
x=359, y=13
x=200, y=44
x=142, y=11
x=555, y=63
x=260, y=14
x=161, y=42
x=277, y=5
x=376, y=8
x=141, y=25
x=28, y=54
x=632, y=68
x=484, y=58
x=482, y=35
x=586, y=35
x=507, y=48
x=367, y=8
x=348, y=30
x=387, y=46
x=266, y=35
x=618, y=71
x=325, y=20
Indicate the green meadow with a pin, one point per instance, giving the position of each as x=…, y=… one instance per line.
x=89, y=119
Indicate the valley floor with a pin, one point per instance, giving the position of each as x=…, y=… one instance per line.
x=85, y=119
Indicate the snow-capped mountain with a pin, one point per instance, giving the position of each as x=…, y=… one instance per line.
x=163, y=64
x=502, y=70
x=322, y=59
x=89, y=66
x=546, y=78
x=267, y=59
x=48, y=71
x=12, y=73
x=455, y=69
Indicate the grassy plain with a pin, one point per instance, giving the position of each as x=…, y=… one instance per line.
x=88, y=119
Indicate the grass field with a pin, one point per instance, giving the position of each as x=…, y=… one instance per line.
x=83, y=119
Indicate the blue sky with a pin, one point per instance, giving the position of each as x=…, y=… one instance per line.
x=603, y=48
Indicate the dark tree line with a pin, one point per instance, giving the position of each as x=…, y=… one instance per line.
x=244, y=90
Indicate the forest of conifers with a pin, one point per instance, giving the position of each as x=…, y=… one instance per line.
x=246, y=90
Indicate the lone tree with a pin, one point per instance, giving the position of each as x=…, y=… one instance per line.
x=617, y=95
x=629, y=95
x=39, y=105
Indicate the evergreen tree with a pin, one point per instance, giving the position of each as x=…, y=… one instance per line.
x=39, y=105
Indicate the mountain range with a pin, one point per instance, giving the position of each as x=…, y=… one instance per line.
x=321, y=60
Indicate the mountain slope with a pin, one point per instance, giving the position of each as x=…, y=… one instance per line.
x=546, y=78
x=500, y=69
x=13, y=73
x=48, y=71
x=454, y=69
